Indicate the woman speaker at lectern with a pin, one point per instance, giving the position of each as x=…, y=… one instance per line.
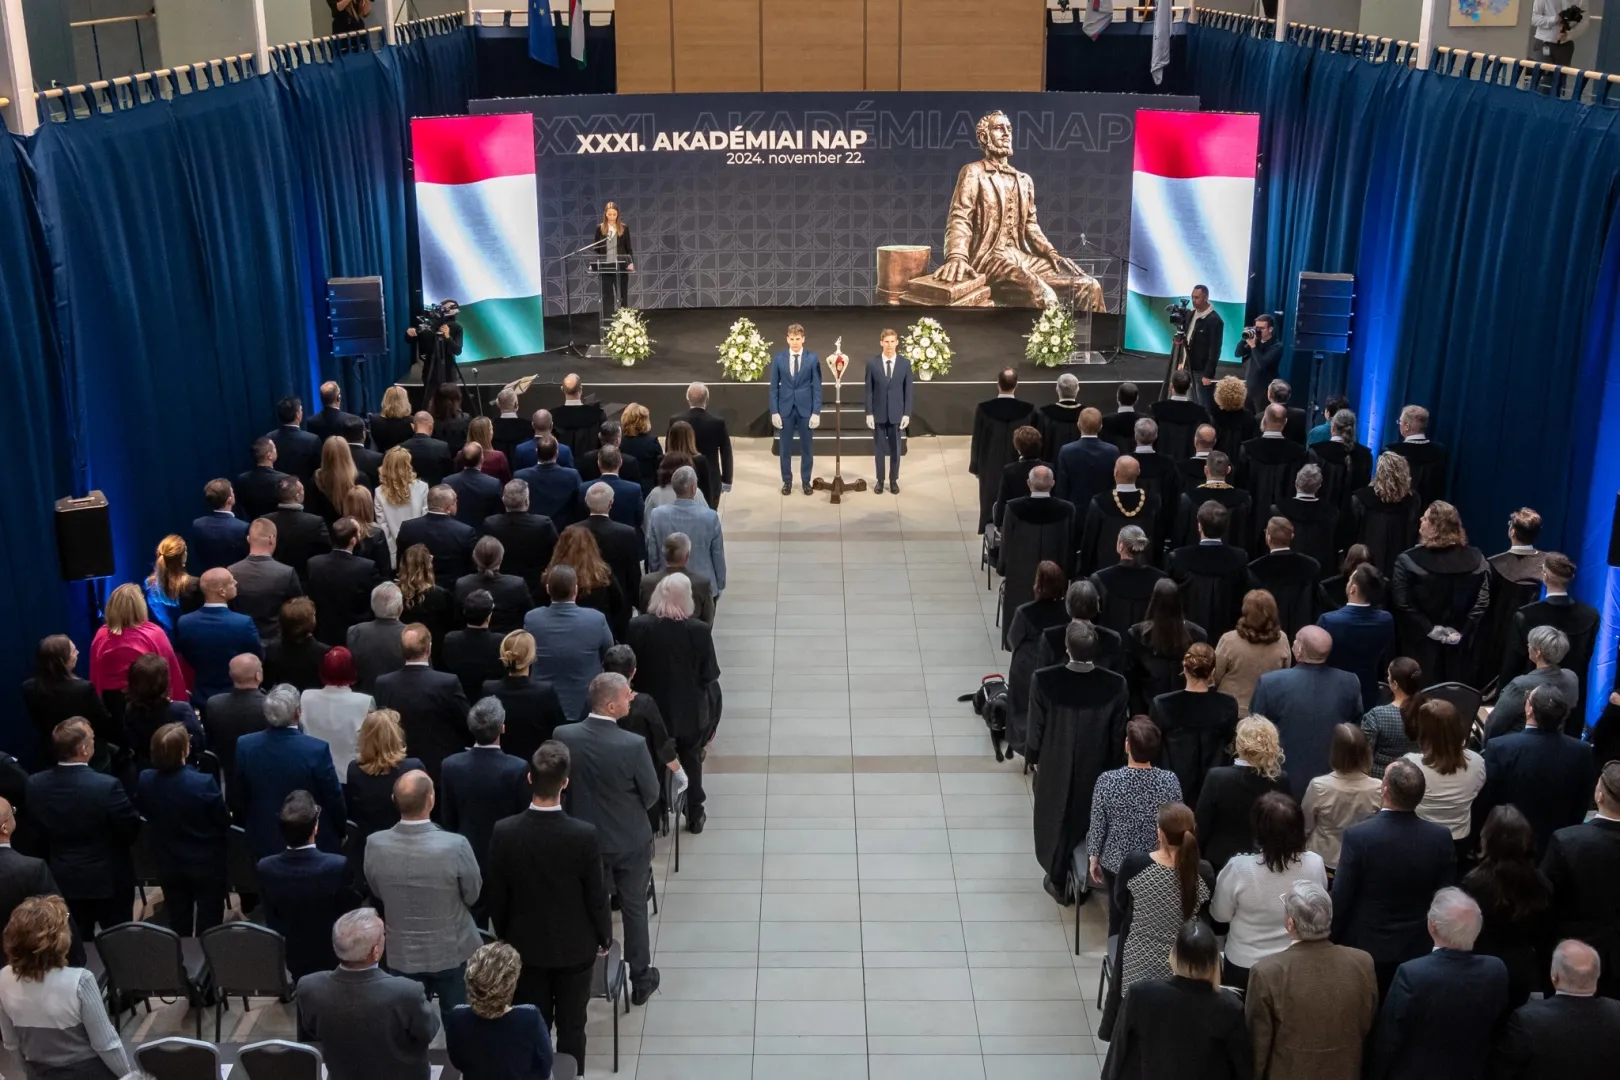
x=614, y=256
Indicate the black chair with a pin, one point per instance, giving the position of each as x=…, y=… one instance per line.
x=144, y=860
x=241, y=868
x=1467, y=701
x=179, y=1059
x=563, y=1067
x=611, y=982
x=278, y=1059
x=208, y=762
x=1105, y=974
x=245, y=960
x=145, y=961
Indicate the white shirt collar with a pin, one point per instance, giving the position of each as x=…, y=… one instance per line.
x=1416, y=438
x=1178, y=397
x=418, y=663
x=1207, y=542
x=508, y=416
x=999, y=396
x=1145, y=450
x=1302, y=497
x=1125, y=409
x=402, y=823
x=1607, y=817
x=1201, y=454
x=1271, y=434
x=1040, y=494
x=1091, y=436
x=546, y=809
x=304, y=847
x=1125, y=487
x=1522, y=549
x=1336, y=438
x=486, y=746
x=216, y=603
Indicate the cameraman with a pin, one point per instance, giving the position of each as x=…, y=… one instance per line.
x=1202, y=338
x=1557, y=24
x=437, y=340
x=1262, y=355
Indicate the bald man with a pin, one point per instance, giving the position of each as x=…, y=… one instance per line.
x=577, y=421
x=432, y=705
x=526, y=454
x=1306, y=702
x=1566, y=1034
x=331, y=420
x=1126, y=503
x=22, y=876
x=430, y=457
x=1266, y=468
x=237, y=712
x=210, y=636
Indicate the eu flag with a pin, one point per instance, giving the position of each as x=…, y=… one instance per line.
x=542, y=40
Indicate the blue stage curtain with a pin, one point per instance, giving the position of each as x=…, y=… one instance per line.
x=175, y=234
x=437, y=74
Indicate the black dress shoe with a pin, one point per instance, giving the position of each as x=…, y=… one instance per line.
x=877, y=488
x=787, y=489
x=894, y=486
x=641, y=989
x=1055, y=892
x=807, y=489
x=695, y=823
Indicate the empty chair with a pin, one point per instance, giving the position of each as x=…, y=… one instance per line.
x=1467, y=701
x=245, y=960
x=145, y=961
x=278, y=1059
x=179, y=1059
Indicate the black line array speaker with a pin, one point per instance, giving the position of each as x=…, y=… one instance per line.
x=359, y=323
x=1323, y=308
x=84, y=537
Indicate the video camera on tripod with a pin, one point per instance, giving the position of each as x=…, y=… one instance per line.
x=1179, y=315
x=429, y=319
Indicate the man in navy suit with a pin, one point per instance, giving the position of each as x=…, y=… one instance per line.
x=297, y=451
x=305, y=889
x=1390, y=867
x=1436, y=996
x=448, y=538
x=1085, y=466
x=210, y=637
x=1540, y=770
x=888, y=405
x=526, y=454
x=1305, y=702
x=219, y=537
x=1363, y=632
x=553, y=488
x=272, y=764
x=795, y=405
x=628, y=507
x=478, y=494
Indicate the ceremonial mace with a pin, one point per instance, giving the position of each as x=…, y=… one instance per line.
x=838, y=485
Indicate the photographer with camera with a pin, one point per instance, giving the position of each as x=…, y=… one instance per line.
x=1198, y=332
x=1261, y=353
x=1557, y=24
x=436, y=336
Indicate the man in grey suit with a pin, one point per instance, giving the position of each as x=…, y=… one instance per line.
x=677, y=551
x=570, y=641
x=377, y=646
x=262, y=583
x=367, y=1023
x=1306, y=702
x=427, y=880
x=701, y=526
x=612, y=785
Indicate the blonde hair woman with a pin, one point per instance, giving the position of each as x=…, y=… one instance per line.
x=1384, y=514
x=533, y=710
x=491, y=1039
x=170, y=591
x=494, y=463
x=1233, y=421
x=361, y=505
x=1230, y=791
x=333, y=479
x=1440, y=590
x=392, y=426
x=379, y=760
x=426, y=601
x=400, y=496
x=640, y=445
x=129, y=634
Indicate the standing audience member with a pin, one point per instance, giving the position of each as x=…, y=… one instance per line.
x=1429, y=461
x=1439, y=591
x=473, y=653
x=219, y=537
x=1125, y=589
x=1548, y=647
x=21, y=876
x=431, y=458
x=1311, y=1006
x=295, y=656
x=1344, y=797
x=431, y=706
x=644, y=720
x=300, y=535
x=569, y=640
x=1583, y=864
x=1292, y=578
x=527, y=540
x=1542, y=771
x=149, y=708
x=126, y=636
x=1392, y=728
x=1315, y=519
x=478, y=494
x=400, y=497
x=526, y=453
x=423, y=599
x=229, y=716
x=392, y=426
x=378, y=644
x=1305, y=702
x=1578, y=620
x=335, y=712
x=532, y=707
x=256, y=489
x=677, y=554
x=170, y=591
x=366, y=1022
x=508, y=593
x=273, y=763
x=678, y=670
x=1225, y=804
x=640, y=445
x=680, y=439
x=708, y=432
x=336, y=475
x=1111, y=510
x=299, y=451
x=1156, y=647
x=994, y=423
x=1182, y=1026
x=340, y=583
x=1125, y=811
x=619, y=542
x=1197, y=723
x=482, y=785
x=596, y=588
x=360, y=505
x=663, y=491
x=263, y=584
x=56, y=693
x=304, y=889
x=492, y=462
x=188, y=824
x=1452, y=773
x=1256, y=646
x=1514, y=898
x=448, y=539
x=1085, y=467
x=1384, y=514
x=1563, y=1035
x=1363, y=632
x=489, y=1038
x=1250, y=888
x=210, y=636
x=1211, y=571
x=380, y=760
x=701, y=526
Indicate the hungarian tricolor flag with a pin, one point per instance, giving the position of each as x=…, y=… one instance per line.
x=478, y=220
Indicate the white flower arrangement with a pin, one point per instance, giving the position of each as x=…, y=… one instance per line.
x=928, y=348
x=745, y=352
x=1051, y=339
x=626, y=339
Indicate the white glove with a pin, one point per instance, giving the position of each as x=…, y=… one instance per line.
x=725, y=488
x=776, y=420
x=905, y=422
x=815, y=421
x=681, y=783
x=871, y=423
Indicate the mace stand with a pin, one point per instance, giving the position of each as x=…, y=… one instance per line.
x=838, y=485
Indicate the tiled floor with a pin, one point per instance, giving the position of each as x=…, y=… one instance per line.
x=864, y=902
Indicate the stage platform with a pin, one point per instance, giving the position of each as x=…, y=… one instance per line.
x=984, y=340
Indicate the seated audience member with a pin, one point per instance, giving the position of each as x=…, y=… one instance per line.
x=1548, y=647
x=1293, y=580
x=431, y=458
x=1226, y=803
x=532, y=707
x=262, y=583
x=1111, y=510
x=1578, y=620
x=1211, y=485
x=149, y=708
x=1390, y=866
x=300, y=535
x=1428, y=460
x=1583, y=864
x=219, y=537
x=490, y=1038
x=1311, y=1006
x=294, y=657
x=1439, y=591
x=188, y=825
x=1563, y=1035
x=1305, y=702
x=170, y=591
x=569, y=640
x=127, y=635
x=1183, y=1025
x=473, y=653
x=1255, y=647
x=1344, y=797
x=1391, y=728
x=1514, y=898
x=52, y=1016
x=380, y=760
x=1363, y=633
x=1197, y=723
x=527, y=540
x=677, y=555
x=377, y=644
x=366, y=1022
x=55, y=694
x=1452, y=774
x=1156, y=647
x=210, y=636
x=448, y=539
x=335, y=712
x=273, y=763
x=340, y=583
x=304, y=889
x=1249, y=890
x=240, y=711
x=431, y=705
x=1540, y=770
x=478, y=494
x=1213, y=575
x=482, y=785
x=1125, y=811
x=1085, y=467
x=401, y=497
x=508, y=593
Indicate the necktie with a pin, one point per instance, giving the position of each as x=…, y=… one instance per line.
x=888, y=368
x=793, y=367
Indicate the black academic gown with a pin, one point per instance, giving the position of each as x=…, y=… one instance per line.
x=1033, y=531
x=1233, y=428
x=1429, y=463
x=1123, y=591
x=1077, y=716
x=1151, y=673
x=992, y=448
x=1238, y=512
x=1178, y=422
x=1266, y=470
x=1515, y=582
x=1111, y=511
x=1212, y=579
x=1060, y=425
x=1014, y=485
x=1439, y=587
x=1159, y=475
x=1294, y=581
x=1316, y=529
x=1386, y=528
x=1027, y=632
x=1346, y=469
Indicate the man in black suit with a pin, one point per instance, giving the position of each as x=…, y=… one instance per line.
x=1119, y=428
x=331, y=420
x=527, y=539
x=340, y=584
x=507, y=592
x=482, y=785
x=1267, y=467
x=1315, y=520
x=1085, y=467
x=1202, y=339
x=478, y=494
x=608, y=433
x=713, y=440
x=264, y=583
x=1277, y=393
x=1567, y=1034
x=1215, y=470
x=87, y=824
x=1390, y=867
x=237, y=712
x=367, y=462
x=1179, y=419
x=297, y=451
x=577, y=422
x=546, y=898
x=430, y=457
x=219, y=537
x=1432, y=998
x=1212, y=574
x=300, y=535
x=1429, y=461
x=432, y=708
x=509, y=428
x=1122, y=504
x=305, y=889
x=259, y=489
x=1540, y=770
x=1577, y=619
x=473, y=653
x=1261, y=351
x=677, y=550
x=1583, y=864
x=20, y=875
x=1058, y=421
x=1294, y=580
x=991, y=448
x=621, y=546
x=448, y=538
x=553, y=488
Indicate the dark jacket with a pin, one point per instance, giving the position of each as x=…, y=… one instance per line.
x=1124, y=590
x=370, y=800
x=298, y=452
x=510, y=593
x=450, y=541
x=226, y=718
x=621, y=549
x=646, y=453
x=262, y=585
x=186, y=821
x=1316, y=528
x=1578, y=620
x=1305, y=703
x=991, y=447
x=1213, y=579
x=1178, y=422
x=297, y=663
x=1430, y=465
x=529, y=540
x=49, y=703
x=1548, y=775
x=1363, y=645
x=218, y=538
x=328, y=422
x=675, y=664
x=300, y=536
x=628, y=508
x=1181, y=1028
x=1059, y=425
x=430, y=458
x=477, y=495
x=1222, y=812
x=1583, y=864
x=545, y=891
x=1197, y=730
x=1014, y=485
x=553, y=492
x=1266, y=469
x=368, y=1024
x=1558, y=1038
x=577, y=425
x=533, y=712
x=21, y=877
x=257, y=491
x=713, y=442
x=377, y=649
x=477, y=788
x=1204, y=346
x=1346, y=469
x=432, y=710
x=272, y=764
x=208, y=639
x=1085, y=469
x=1439, y=587
x=388, y=432
x=1430, y=1001
x=86, y=824
x=1294, y=581
x=1390, y=867
x=340, y=584
x=473, y=655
